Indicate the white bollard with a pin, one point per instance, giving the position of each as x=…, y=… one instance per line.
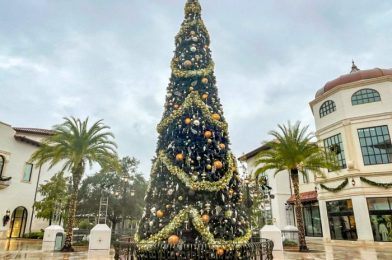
x=49, y=241
x=99, y=240
x=273, y=233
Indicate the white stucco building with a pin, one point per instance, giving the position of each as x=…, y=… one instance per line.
x=19, y=180
x=282, y=204
x=353, y=117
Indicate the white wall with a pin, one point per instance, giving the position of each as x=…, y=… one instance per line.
x=346, y=120
x=20, y=193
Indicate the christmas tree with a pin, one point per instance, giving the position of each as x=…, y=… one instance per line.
x=194, y=194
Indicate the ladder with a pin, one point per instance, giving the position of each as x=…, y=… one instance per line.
x=103, y=209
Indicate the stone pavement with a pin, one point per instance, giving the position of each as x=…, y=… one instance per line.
x=338, y=250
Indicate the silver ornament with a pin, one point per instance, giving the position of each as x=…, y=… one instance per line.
x=196, y=122
x=193, y=49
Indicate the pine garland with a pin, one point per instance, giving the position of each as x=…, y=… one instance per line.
x=336, y=189
x=377, y=184
x=192, y=214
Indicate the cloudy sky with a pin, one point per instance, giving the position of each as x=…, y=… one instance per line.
x=110, y=60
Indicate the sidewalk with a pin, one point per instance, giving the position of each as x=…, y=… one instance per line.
x=337, y=250
x=340, y=250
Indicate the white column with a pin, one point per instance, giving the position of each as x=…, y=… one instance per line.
x=362, y=220
x=324, y=220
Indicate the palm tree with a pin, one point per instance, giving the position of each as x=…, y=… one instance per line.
x=75, y=146
x=292, y=150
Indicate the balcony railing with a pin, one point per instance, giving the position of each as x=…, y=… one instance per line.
x=4, y=182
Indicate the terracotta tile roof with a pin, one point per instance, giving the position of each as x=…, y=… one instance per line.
x=33, y=130
x=355, y=75
x=305, y=197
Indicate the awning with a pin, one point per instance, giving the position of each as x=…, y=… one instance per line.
x=305, y=197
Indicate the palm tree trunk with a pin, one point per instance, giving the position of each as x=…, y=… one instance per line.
x=70, y=222
x=298, y=211
x=76, y=177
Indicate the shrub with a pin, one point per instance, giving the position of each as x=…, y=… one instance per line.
x=34, y=235
x=288, y=242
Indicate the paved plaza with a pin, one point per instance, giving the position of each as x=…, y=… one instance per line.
x=27, y=249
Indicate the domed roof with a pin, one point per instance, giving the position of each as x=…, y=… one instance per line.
x=355, y=75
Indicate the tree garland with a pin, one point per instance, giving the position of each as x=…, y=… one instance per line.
x=377, y=184
x=191, y=73
x=195, y=217
x=191, y=100
x=336, y=189
x=198, y=185
x=185, y=27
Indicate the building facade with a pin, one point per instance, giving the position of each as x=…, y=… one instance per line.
x=19, y=180
x=282, y=202
x=353, y=118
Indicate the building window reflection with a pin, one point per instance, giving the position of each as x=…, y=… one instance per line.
x=341, y=219
x=312, y=220
x=380, y=212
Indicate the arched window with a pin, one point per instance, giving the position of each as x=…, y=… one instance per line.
x=2, y=161
x=327, y=107
x=364, y=96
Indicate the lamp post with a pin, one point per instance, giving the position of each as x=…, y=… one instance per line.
x=127, y=181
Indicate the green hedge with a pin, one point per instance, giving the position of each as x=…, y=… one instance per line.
x=34, y=235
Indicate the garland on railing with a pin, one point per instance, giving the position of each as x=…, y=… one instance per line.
x=378, y=184
x=336, y=189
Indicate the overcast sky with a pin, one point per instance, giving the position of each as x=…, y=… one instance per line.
x=110, y=60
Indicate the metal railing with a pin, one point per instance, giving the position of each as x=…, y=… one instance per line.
x=251, y=251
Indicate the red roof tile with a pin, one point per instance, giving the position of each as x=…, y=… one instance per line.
x=33, y=130
x=305, y=197
x=353, y=77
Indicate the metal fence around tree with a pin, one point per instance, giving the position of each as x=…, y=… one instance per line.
x=251, y=251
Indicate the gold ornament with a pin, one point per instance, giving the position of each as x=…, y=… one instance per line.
x=218, y=165
x=205, y=218
x=179, y=157
x=216, y=116
x=207, y=134
x=231, y=192
x=220, y=251
x=204, y=81
x=222, y=146
x=192, y=100
x=160, y=213
x=204, y=96
x=209, y=167
x=178, y=220
x=187, y=63
x=188, y=121
x=173, y=240
x=196, y=185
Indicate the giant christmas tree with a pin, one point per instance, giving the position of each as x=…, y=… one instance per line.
x=194, y=195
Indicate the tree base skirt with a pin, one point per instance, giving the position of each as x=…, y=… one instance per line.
x=250, y=251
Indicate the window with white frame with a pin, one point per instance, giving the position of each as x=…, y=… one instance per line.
x=28, y=169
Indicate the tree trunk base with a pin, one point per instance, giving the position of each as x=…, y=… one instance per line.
x=303, y=249
x=67, y=249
